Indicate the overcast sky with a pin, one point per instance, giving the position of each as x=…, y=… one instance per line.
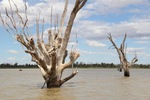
x=92, y=25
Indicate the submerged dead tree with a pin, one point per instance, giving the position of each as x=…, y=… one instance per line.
x=48, y=56
x=125, y=65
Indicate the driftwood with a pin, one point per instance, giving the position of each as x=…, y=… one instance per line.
x=49, y=56
x=125, y=65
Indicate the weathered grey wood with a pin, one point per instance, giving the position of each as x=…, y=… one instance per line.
x=122, y=56
x=49, y=56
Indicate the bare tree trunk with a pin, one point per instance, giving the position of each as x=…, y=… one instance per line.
x=50, y=57
x=126, y=73
x=122, y=56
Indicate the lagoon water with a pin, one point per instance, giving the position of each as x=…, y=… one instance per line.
x=88, y=84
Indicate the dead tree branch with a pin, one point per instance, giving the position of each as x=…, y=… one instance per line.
x=122, y=55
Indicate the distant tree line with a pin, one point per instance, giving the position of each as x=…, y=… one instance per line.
x=107, y=65
x=76, y=64
x=7, y=65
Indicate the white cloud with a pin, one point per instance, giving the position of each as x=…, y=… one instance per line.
x=94, y=43
x=72, y=44
x=87, y=52
x=134, y=49
x=148, y=55
x=112, y=6
x=13, y=51
x=142, y=42
x=44, y=8
x=94, y=30
x=12, y=58
x=97, y=29
x=91, y=29
x=131, y=50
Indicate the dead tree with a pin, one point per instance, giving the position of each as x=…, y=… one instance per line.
x=125, y=65
x=48, y=56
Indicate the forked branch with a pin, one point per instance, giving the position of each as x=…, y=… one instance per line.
x=122, y=53
x=49, y=56
x=78, y=5
x=69, y=77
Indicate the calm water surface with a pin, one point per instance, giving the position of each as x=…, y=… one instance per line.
x=88, y=84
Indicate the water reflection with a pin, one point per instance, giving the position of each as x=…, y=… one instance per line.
x=55, y=94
